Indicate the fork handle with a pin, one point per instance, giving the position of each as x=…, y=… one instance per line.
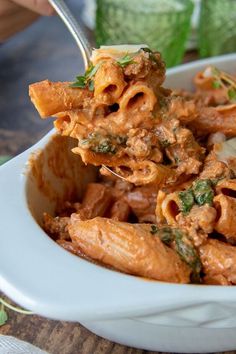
x=74, y=28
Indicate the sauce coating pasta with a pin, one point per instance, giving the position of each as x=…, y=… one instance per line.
x=171, y=217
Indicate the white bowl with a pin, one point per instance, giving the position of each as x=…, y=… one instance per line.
x=41, y=276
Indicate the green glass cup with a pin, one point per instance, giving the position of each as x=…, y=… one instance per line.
x=217, y=27
x=161, y=24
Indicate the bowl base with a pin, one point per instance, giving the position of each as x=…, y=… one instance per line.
x=138, y=334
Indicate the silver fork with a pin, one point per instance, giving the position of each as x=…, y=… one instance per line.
x=86, y=50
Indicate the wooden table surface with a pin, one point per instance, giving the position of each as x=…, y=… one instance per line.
x=45, y=50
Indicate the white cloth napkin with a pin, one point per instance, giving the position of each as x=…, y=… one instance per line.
x=12, y=345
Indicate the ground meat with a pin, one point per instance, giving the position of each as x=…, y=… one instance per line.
x=56, y=227
x=214, y=169
x=140, y=68
x=146, y=65
x=199, y=222
x=182, y=109
x=185, y=153
x=165, y=131
x=141, y=144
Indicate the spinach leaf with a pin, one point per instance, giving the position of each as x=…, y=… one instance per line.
x=183, y=246
x=104, y=147
x=164, y=233
x=103, y=144
x=188, y=253
x=203, y=192
x=187, y=200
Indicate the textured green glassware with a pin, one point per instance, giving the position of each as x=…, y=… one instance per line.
x=217, y=27
x=162, y=24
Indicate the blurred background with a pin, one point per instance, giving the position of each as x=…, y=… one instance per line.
x=182, y=30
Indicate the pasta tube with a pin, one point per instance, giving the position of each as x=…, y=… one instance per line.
x=50, y=98
x=144, y=172
x=170, y=208
x=109, y=82
x=96, y=200
x=120, y=210
x=138, y=97
x=226, y=208
x=72, y=123
x=158, y=211
x=130, y=248
x=216, y=119
x=227, y=187
x=219, y=258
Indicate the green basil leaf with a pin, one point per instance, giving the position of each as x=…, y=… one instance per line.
x=203, y=192
x=91, y=85
x=79, y=83
x=125, y=60
x=91, y=71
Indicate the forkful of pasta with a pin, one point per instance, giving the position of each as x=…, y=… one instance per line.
x=121, y=116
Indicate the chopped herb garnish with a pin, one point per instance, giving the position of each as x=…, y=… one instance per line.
x=227, y=82
x=187, y=200
x=165, y=143
x=215, y=181
x=188, y=253
x=151, y=54
x=86, y=79
x=125, y=60
x=200, y=193
x=232, y=94
x=3, y=313
x=91, y=71
x=80, y=82
x=182, y=244
x=91, y=85
x=103, y=144
x=203, y=192
x=216, y=84
x=104, y=147
x=3, y=316
x=166, y=235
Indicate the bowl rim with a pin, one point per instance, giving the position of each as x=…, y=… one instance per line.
x=39, y=275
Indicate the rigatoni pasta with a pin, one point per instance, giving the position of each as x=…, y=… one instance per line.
x=51, y=98
x=109, y=82
x=169, y=211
